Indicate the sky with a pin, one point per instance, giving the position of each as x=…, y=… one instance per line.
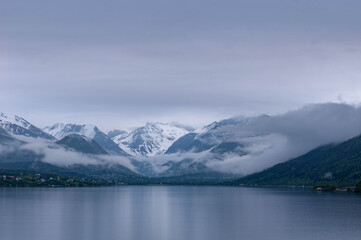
x=120, y=64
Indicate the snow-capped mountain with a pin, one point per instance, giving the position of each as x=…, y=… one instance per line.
x=19, y=126
x=60, y=130
x=228, y=132
x=152, y=139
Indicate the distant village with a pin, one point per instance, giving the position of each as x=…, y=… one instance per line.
x=28, y=179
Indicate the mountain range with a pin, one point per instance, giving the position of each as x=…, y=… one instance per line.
x=259, y=150
x=148, y=142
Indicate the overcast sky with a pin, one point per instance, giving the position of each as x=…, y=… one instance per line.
x=119, y=64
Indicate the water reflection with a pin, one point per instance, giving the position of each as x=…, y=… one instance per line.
x=177, y=213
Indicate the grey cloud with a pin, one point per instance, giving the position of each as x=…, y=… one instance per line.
x=141, y=59
x=120, y=64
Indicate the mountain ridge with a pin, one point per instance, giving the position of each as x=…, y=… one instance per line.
x=60, y=130
x=19, y=126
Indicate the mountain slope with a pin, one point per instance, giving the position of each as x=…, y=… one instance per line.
x=116, y=132
x=229, y=147
x=332, y=164
x=186, y=166
x=60, y=130
x=19, y=126
x=81, y=144
x=7, y=140
x=18, y=157
x=152, y=139
x=188, y=142
x=210, y=136
x=26, y=160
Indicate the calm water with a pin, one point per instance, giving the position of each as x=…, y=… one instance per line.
x=173, y=213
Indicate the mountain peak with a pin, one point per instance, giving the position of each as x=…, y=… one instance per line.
x=152, y=139
x=19, y=126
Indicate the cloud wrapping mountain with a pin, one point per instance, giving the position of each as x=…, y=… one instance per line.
x=269, y=140
x=64, y=157
x=240, y=145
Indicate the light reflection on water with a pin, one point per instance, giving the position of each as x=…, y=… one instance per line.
x=176, y=212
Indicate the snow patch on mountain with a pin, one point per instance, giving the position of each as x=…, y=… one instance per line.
x=6, y=119
x=60, y=130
